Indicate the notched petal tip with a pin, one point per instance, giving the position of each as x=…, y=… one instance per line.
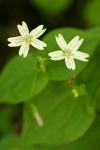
x=18, y=26
x=20, y=54
x=41, y=26
x=56, y=55
x=51, y=58
x=56, y=37
x=59, y=34
x=50, y=54
x=13, y=44
x=23, y=22
x=81, y=40
x=86, y=60
x=8, y=39
x=24, y=56
x=87, y=55
x=45, y=45
x=44, y=30
x=41, y=48
x=9, y=45
x=73, y=68
x=77, y=36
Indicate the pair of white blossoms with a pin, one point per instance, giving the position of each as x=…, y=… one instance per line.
x=68, y=51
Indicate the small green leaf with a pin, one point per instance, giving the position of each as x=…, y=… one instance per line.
x=79, y=90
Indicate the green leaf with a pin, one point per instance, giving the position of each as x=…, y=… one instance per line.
x=57, y=69
x=13, y=142
x=94, y=62
x=65, y=118
x=90, y=141
x=52, y=7
x=91, y=77
x=9, y=142
x=20, y=81
x=92, y=12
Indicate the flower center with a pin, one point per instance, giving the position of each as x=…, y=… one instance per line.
x=69, y=53
x=28, y=38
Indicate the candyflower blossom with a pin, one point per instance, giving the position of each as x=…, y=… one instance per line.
x=68, y=51
x=27, y=38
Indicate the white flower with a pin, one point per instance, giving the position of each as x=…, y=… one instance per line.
x=27, y=38
x=68, y=51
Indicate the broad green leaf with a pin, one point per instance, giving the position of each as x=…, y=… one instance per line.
x=52, y=7
x=97, y=96
x=92, y=71
x=9, y=142
x=93, y=65
x=20, y=80
x=92, y=12
x=57, y=69
x=65, y=118
x=91, y=76
x=13, y=142
x=90, y=141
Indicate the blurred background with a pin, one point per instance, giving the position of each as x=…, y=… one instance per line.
x=81, y=14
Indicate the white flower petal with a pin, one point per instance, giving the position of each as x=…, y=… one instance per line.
x=73, y=42
x=21, y=30
x=38, y=34
x=37, y=30
x=56, y=55
x=70, y=63
x=79, y=43
x=61, y=42
x=41, y=43
x=81, y=56
x=38, y=44
x=16, y=39
x=25, y=27
x=13, y=44
x=24, y=49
